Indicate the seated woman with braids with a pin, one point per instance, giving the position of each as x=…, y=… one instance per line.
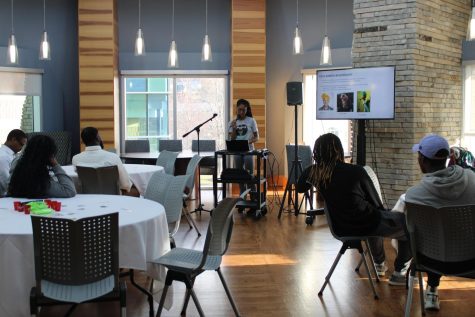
x=37, y=174
x=355, y=206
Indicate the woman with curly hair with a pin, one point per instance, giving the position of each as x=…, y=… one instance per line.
x=37, y=174
x=354, y=204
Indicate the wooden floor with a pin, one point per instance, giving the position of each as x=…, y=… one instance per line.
x=275, y=268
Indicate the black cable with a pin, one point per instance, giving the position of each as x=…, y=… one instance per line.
x=375, y=162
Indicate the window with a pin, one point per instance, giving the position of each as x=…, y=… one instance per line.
x=166, y=107
x=313, y=128
x=20, y=100
x=468, y=131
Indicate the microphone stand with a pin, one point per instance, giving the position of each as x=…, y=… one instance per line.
x=197, y=129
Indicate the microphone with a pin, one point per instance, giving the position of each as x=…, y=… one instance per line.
x=215, y=115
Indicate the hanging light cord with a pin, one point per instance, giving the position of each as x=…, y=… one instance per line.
x=44, y=15
x=12, y=16
x=140, y=14
x=326, y=9
x=297, y=13
x=173, y=20
x=206, y=24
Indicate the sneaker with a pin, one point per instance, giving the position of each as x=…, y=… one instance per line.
x=399, y=278
x=431, y=298
x=381, y=268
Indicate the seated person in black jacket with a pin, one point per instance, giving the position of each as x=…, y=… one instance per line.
x=355, y=206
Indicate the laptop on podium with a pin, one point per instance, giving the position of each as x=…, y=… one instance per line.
x=237, y=145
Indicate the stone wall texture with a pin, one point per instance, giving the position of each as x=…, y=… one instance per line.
x=423, y=40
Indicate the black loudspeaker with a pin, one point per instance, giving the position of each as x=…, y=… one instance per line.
x=294, y=93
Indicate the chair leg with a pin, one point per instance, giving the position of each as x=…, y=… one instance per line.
x=407, y=312
x=236, y=312
x=188, y=216
x=329, y=275
x=368, y=249
x=123, y=299
x=370, y=278
x=143, y=290
x=187, y=298
x=197, y=303
x=421, y=294
x=162, y=300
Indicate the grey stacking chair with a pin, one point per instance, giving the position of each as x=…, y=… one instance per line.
x=166, y=159
x=442, y=241
x=76, y=261
x=99, y=180
x=350, y=242
x=305, y=154
x=185, y=264
x=170, y=145
x=62, y=139
x=136, y=146
x=191, y=172
x=375, y=180
x=168, y=190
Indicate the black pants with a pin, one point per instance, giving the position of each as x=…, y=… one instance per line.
x=392, y=225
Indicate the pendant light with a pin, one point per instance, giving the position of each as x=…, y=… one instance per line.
x=206, y=54
x=45, y=51
x=471, y=24
x=12, y=47
x=326, y=54
x=139, y=41
x=173, y=54
x=298, y=45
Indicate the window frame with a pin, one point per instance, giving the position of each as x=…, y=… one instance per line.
x=174, y=75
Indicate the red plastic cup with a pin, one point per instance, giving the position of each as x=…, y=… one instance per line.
x=27, y=210
x=47, y=202
x=57, y=205
x=17, y=205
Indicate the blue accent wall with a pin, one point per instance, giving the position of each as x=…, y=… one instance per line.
x=60, y=78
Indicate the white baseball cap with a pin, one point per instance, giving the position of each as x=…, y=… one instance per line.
x=430, y=145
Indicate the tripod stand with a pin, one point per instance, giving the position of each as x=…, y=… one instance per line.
x=297, y=170
x=199, y=208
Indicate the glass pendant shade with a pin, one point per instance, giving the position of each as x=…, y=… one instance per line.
x=45, y=51
x=471, y=25
x=139, y=44
x=298, y=45
x=206, y=54
x=173, y=55
x=12, y=50
x=326, y=55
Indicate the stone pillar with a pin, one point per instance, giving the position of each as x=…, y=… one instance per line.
x=423, y=40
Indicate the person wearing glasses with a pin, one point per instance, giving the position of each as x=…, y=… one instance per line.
x=16, y=139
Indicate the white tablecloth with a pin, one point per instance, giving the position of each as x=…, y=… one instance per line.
x=143, y=236
x=139, y=174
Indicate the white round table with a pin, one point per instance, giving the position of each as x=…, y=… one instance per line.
x=143, y=236
x=139, y=174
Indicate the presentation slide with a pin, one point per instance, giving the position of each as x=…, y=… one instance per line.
x=356, y=93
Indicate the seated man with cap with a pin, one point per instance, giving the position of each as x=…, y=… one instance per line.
x=95, y=156
x=440, y=186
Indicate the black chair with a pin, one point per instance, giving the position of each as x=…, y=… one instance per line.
x=135, y=146
x=76, y=261
x=442, y=242
x=305, y=154
x=170, y=145
x=63, y=143
x=207, y=164
x=350, y=242
x=99, y=180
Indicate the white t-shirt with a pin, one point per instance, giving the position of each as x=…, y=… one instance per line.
x=6, y=157
x=95, y=156
x=245, y=129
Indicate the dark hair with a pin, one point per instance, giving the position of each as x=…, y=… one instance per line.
x=437, y=164
x=89, y=136
x=247, y=105
x=16, y=134
x=327, y=151
x=31, y=178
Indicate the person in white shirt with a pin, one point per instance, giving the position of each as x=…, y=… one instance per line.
x=95, y=156
x=244, y=127
x=16, y=139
